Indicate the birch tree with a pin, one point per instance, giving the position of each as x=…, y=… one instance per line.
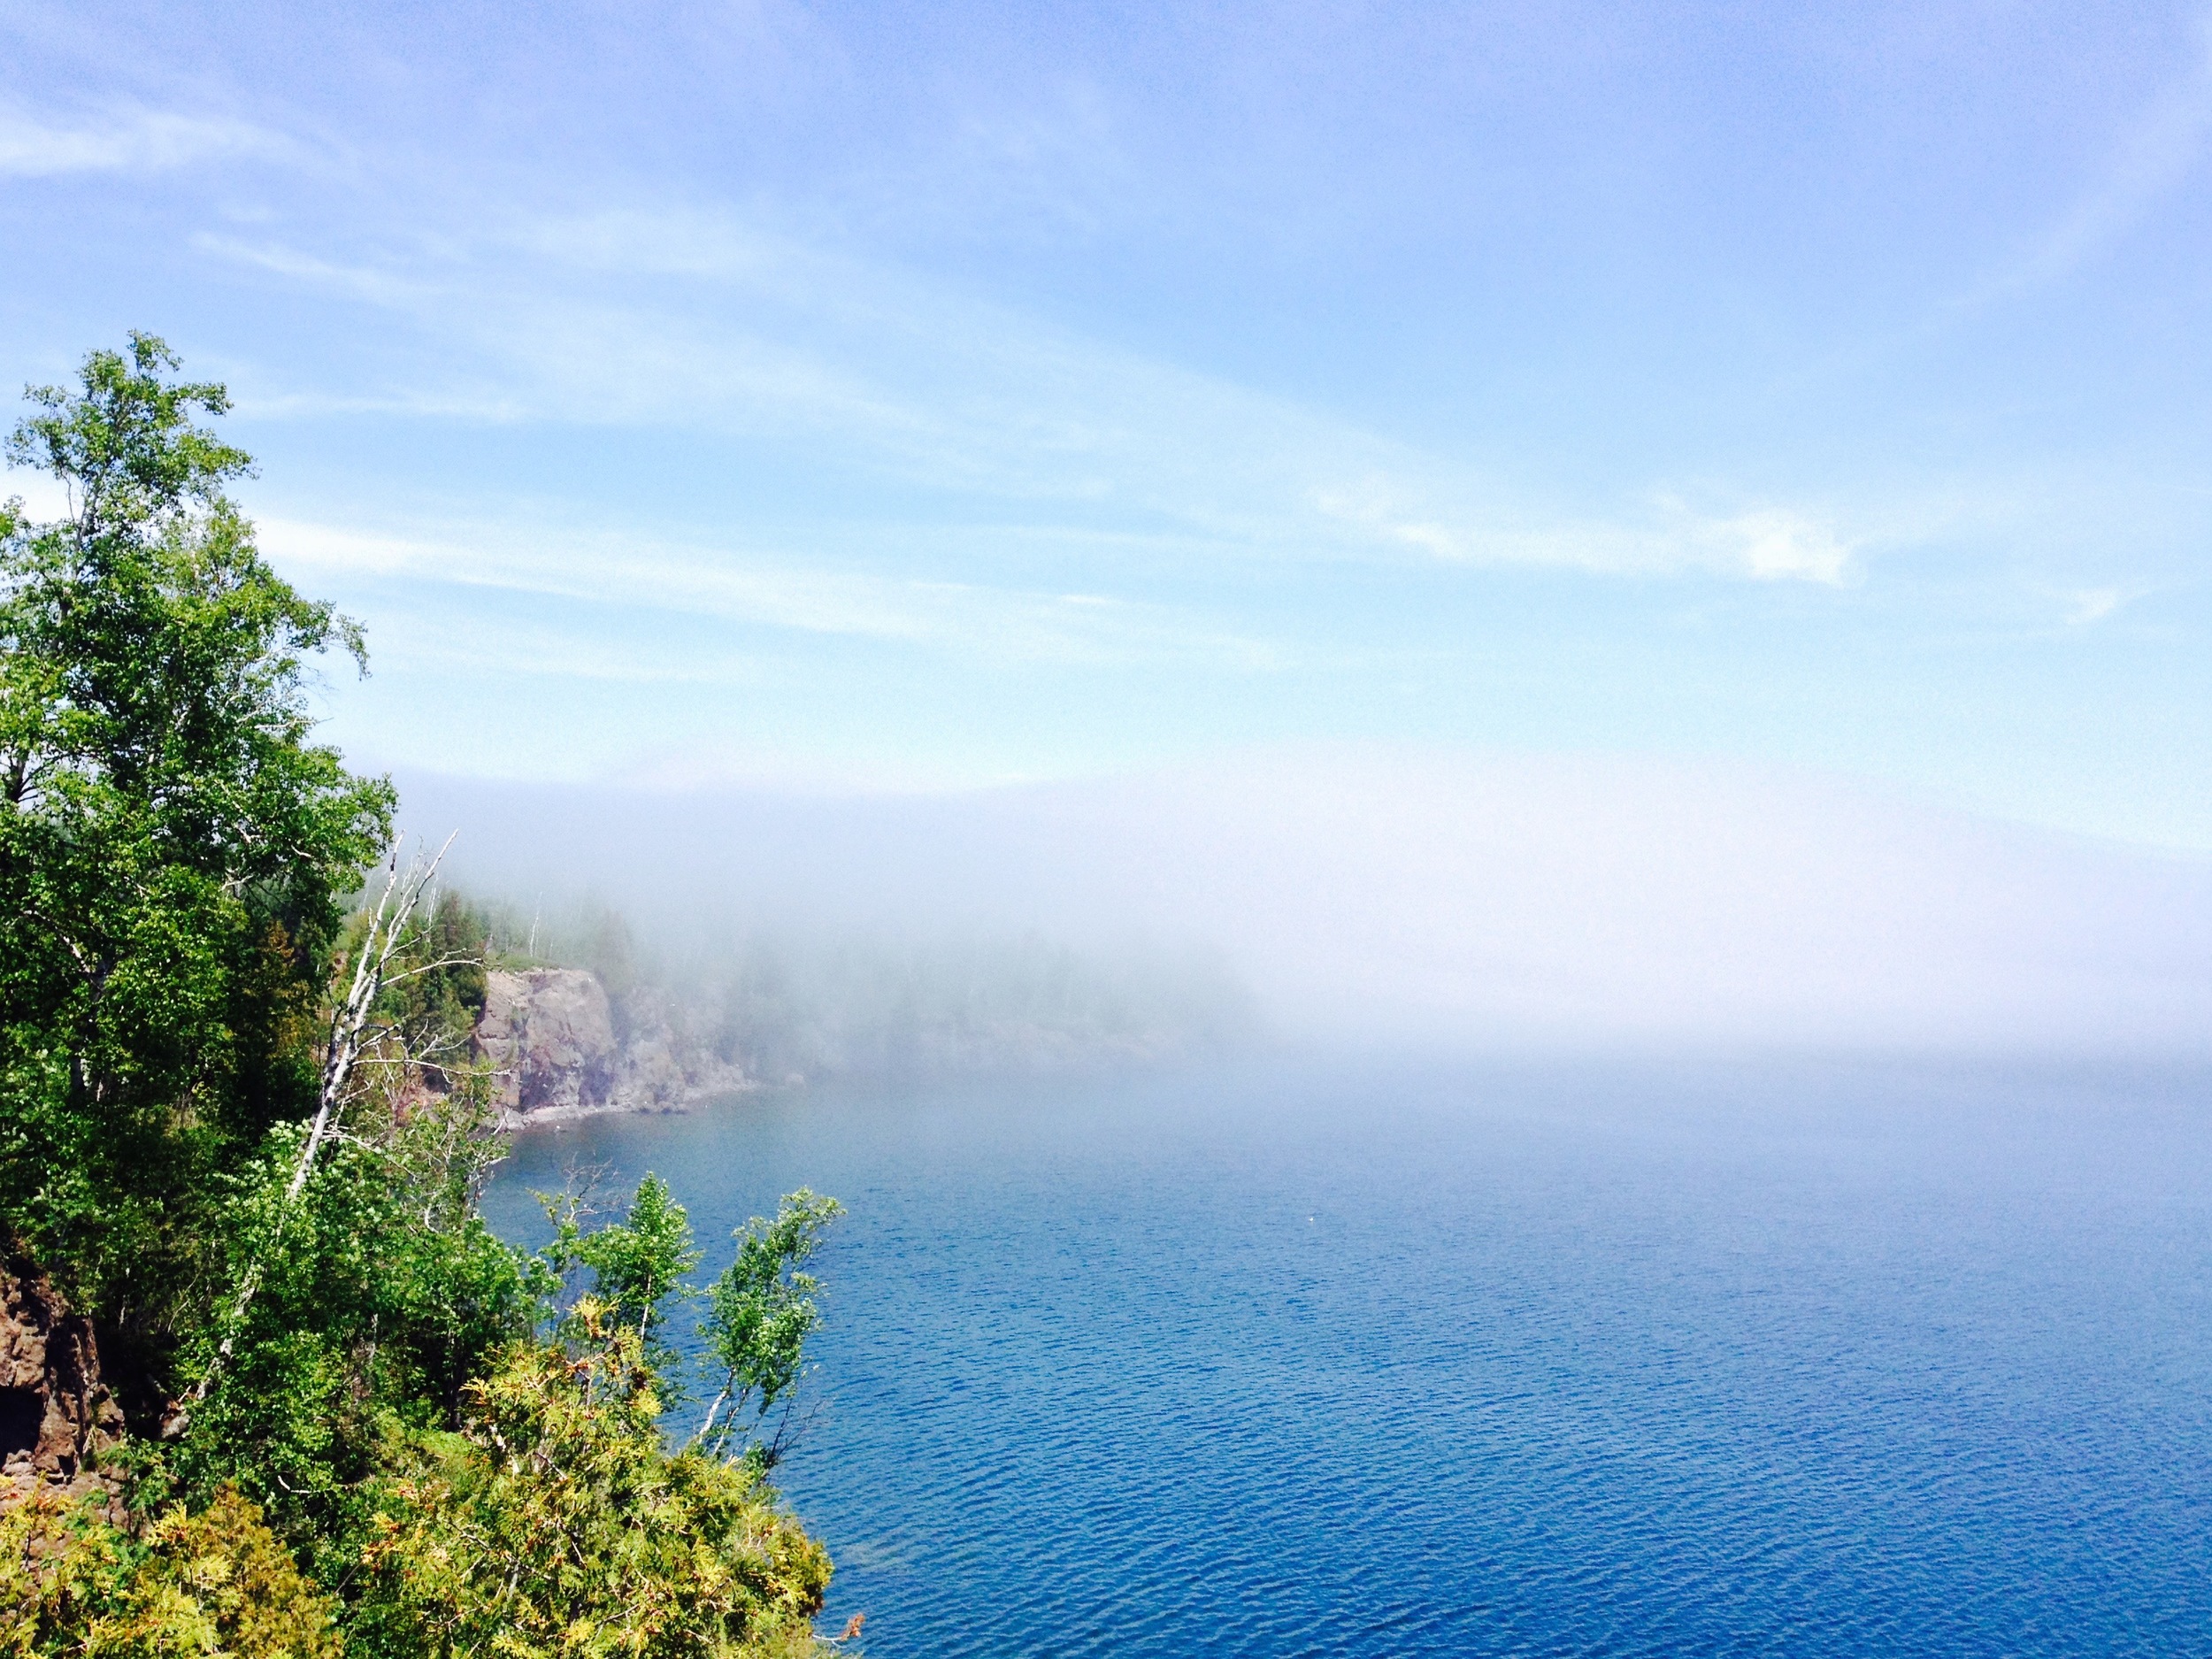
x=357, y=1037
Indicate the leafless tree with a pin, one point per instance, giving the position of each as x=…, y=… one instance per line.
x=357, y=1039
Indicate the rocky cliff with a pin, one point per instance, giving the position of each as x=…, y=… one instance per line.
x=563, y=1050
x=57, y=1414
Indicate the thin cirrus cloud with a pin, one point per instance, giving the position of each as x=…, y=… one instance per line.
x=691, y=317
x=2086, y=607
x=619, y=578
x=2151, y=158
x=1808, y=387
x=125, y=141
x=1765, y=544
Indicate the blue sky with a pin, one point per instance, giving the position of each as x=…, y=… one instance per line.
x=932, y=396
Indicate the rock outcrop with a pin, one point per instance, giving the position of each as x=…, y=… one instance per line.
x=662, y=1067
x=57, y=1414
x=550, y=1035
x=562, y=1050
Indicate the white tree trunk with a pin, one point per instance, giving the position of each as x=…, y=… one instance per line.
x=350, y=1032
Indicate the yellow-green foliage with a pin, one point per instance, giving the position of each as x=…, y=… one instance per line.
x=216, y=1584
x=557, y=1526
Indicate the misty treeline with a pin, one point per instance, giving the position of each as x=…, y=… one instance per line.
x=783, y=1006
x=243, y=1144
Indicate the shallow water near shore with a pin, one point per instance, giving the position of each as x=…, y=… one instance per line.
x=1356, y=1359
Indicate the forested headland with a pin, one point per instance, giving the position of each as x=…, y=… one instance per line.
x=782, y=1006
x=274, y=1388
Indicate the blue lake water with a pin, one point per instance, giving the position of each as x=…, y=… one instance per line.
x=1325, y=1359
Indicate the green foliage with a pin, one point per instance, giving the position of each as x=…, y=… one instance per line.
x=638, y=1263
x=436, y=993
x=760, y=1309
x=174, y=849
x=556, y=1524
x=216, y=1583
x=383, y=1294
x=347, y=1367
x=759, y=1314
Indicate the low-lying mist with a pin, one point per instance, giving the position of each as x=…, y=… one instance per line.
x=1379, y=896
x=786, y=1005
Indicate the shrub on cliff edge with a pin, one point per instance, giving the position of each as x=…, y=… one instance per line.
x=554, y=1525
x=217, y=1583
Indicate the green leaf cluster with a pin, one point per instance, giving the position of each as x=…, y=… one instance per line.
x=556, y=1524
x=638, y=1264
x=438, y=994
x=383, y=1293
x=759, y=1314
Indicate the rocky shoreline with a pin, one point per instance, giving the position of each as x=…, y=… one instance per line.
x=562, y=1050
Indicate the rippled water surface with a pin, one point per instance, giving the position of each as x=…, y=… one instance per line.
x=1335, y=1360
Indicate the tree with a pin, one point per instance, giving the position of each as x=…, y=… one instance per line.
x=175, y=850
x=760, y=1309
x=236, y=1125
x=358, y=1041
x=640, y=1262
x=381, y=1294
x=759, y=1314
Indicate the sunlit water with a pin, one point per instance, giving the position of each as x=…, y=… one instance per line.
x=1800, y=1360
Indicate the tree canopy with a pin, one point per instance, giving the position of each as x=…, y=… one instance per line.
x=176, y=849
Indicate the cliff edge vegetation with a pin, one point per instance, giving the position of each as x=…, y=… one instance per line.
x=272, y=1386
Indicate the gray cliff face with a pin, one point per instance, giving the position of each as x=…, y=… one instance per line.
x=550, y=1034
x=562, y=1050
x=662, y=1067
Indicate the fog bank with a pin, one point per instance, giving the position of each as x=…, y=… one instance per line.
x=1416, y=895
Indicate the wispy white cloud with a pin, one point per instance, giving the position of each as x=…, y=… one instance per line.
x=625, y=579
x=633, y=241
x=366, y=283
x=1765, y=544
x=2085, y=607
x=486, y=642
x=1777, y=544
x=126, y=139
x=2153, y=158
x=693, y=319
x=2093, y=604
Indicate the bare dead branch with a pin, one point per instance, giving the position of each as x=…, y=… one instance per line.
x=352, y=1034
